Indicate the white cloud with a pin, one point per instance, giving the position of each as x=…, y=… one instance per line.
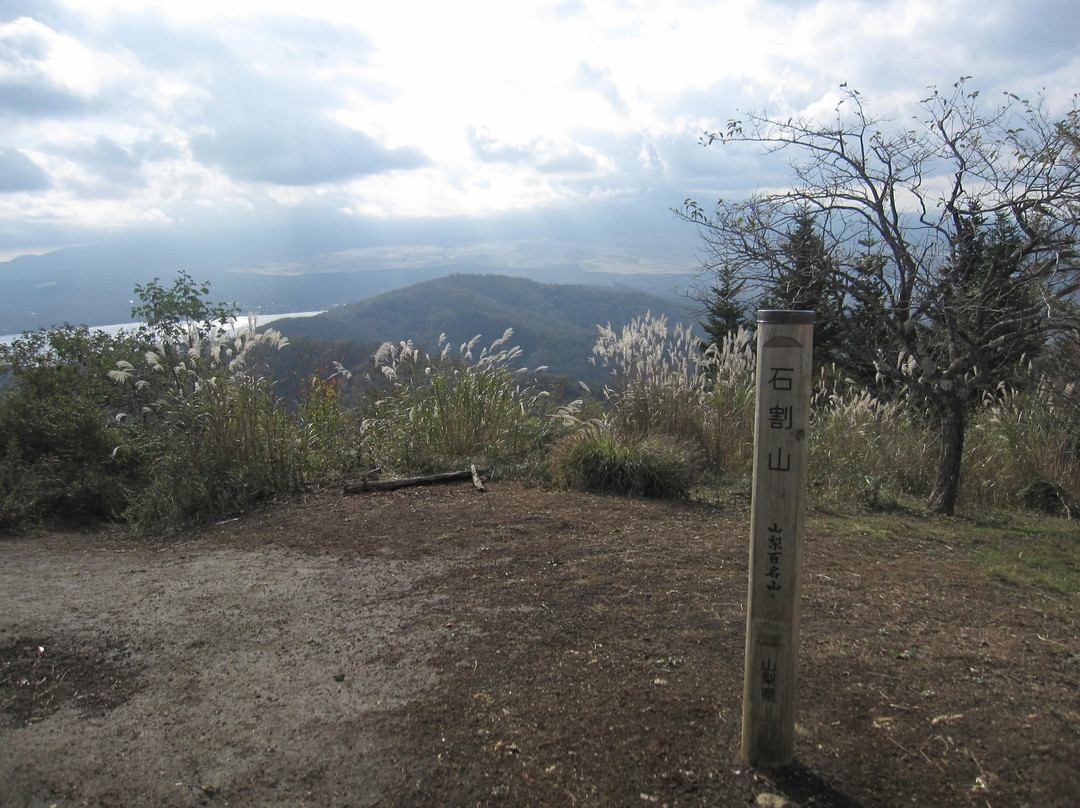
x=603, y=83
x=45, y=74
x=116, y=111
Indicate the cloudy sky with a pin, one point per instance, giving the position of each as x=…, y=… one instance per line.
x=480, y=122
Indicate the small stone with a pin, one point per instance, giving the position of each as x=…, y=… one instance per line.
x=767, y=800
x=339, y=677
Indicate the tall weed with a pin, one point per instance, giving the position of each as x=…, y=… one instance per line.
x=662, y=385
x=448, y=408
x=1021, y=451
x=864, y=450
x=218, y=437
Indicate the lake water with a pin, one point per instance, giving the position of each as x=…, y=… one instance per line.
x=115, y=328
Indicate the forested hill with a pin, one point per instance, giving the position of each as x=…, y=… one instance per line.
x=555, y=325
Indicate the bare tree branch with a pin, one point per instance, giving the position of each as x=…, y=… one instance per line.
x=951, y=240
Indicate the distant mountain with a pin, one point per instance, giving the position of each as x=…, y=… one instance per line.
x=93, y=284
x=554, y=324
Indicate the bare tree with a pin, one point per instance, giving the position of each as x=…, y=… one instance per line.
x=951, y=242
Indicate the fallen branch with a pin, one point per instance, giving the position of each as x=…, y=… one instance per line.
x=365, y=485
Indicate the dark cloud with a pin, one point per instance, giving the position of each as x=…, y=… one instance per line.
x=246, y=66
x=262, y=112
x=1006, y=39
x=19, y=173
x=109, y=160
x=154, y=149
x=43, y=99
x=292, y=152
x=110, y=169
x=161, y=45
x=203, y=49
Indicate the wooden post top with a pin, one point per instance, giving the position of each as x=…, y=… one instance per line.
x=786, y=316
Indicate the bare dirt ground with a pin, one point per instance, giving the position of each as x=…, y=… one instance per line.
x=520, y=647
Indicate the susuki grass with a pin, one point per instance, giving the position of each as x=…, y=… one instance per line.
x=176, y=424
x=1021, y=446
x=661, y=385
x=219, y=436
x=671, y=413
x=451, y=408
x=1022, y=450
x=864, y=450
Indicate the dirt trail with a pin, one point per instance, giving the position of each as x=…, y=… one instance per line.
x=519, y=647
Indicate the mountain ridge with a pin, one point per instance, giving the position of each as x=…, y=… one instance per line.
x=555, y=325
x=93, y=283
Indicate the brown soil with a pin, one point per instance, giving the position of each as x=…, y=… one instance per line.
x=444, y=647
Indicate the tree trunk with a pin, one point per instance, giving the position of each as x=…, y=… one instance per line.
x=947, y=484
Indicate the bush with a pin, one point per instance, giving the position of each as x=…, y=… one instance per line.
x=57, y=435
x=332, y=437
x=215, y=434
x=596, y=459
x=220, y=450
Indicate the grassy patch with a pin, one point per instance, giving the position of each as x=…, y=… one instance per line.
x=1045, y=556
x=1020, y=549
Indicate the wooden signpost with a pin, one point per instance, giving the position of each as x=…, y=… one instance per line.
x=785, y=340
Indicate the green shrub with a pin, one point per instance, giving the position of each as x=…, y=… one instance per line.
x=57, y=432
x=596, y=459
x=332, y=436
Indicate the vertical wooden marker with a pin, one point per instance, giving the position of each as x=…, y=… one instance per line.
x=785, y=341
